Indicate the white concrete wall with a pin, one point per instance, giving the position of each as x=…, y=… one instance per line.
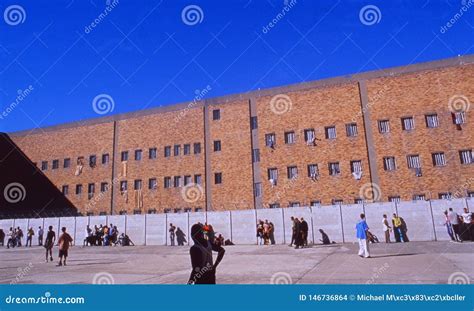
x=425, y=222
x=54, y=221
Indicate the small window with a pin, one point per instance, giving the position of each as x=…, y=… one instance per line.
x=187, y=180
x=176, y=150
x=330, y=132
x=198, y=209
x=384, y=126
x=178, y=210
x=445, y=196
x=466, y=156
x=459, y=118
x=123, y=212
x=177, y=181
x=167, y=151
x=358, y=201
x=408, y=123
x=470, y=194
x=138, y=155
x=137, y=212
x=290, y=137
x=273, y=176
x=197, y=148
x=309, y=137
x=218, y=178
x=419, y=197
x=334, y=169
x=217, y=145
x=438, y=159
x=90, y=191
x=216, y=114
x=152, y=184
x=187, y=149
x=413, y=161
x=92, y=160
x=351, y=130
x=65, y=190
x=294, y=204
x=137, y=184
x=67, y=163
x=253, y=123
x=389, y=163
x=167, y=182
x=292, y=172
x=44, y=165
x=188, y=210
x=55, y=164
x=270, y=140
x=152, y=211
x=315, y=203
x=105, y=158
x=337, y=201
x=431, y=120
x=395, y=199
x=356, y=166
x=104, y=187
x=123, y=186
x=152, y=153
x=255, y=155
x=124, y=156
x=78, y=189
x=257, y=189
x=90, y=214
x=274, y=205
x=80, y=161
x=313, y=171
x=198, y=179
x=167, y=210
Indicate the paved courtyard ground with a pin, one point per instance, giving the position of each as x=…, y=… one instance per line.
x=413, y=263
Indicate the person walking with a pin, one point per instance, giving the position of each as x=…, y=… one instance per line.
x=40, y=236
x=304, y=232
x=299, y=235
x=64, y=241
x=468, y=224
x=49, y=243
x=29, y=236
x=11, y=237
x=361, y=233
x=453, y=219
x=386, y=228
x=172, y=233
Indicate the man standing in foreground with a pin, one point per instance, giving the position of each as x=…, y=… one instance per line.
x=64, y=242
x=49, y=243
x=361, y=229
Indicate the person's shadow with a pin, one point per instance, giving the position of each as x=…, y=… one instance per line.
x=180, y=237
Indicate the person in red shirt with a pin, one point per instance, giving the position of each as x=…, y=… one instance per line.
x=64, y=242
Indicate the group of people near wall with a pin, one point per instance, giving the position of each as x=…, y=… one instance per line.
x=460, y=227
x=106, y=236
x=15, y=236
x=265, y=232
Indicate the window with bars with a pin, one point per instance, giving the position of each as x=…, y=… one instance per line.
x=358, y=201
x=187, y=180
x=337, y=201
x=104, y=187
x=315, y=203
x=44, y=165
x=294, y=204
x=356, y=166
x=217, y=145
x=408, y=123
x=152, y=184
x=432, y=120
x=330, y=132
x=105, y=158
x=90, y=191
x=167, y=151
x=197, y=148
x=217, y=178
x=67, y=163
x=216, y=114
x=55, y=164
x=92, y=161
x=309, y=136
x=167, y=182
x=270, y=140
x=198, y=179
x=445, y=196
x=65, y=190
x=292, y=172
x=187, y=149
x=138, y=155
x=419, y=197
x=290, y=137
x=438, y=159
x=188, y=210
x=466, y=156
x=384, y=126
x=313, y=171
x=389, y=163
x=470, y=194
x=124, y=156
x=152, y=211
x=274, y=205
x=413, y=161
x=177, y=181
x=152, y=153
x=123, y=185
x=395, y=199
x=459, y=117
x=273, y=176
x=137, y=184
x=351, y=130
x=177, y=150
x=78, y=189
x=334, y=168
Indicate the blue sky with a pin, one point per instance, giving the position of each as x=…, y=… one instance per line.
x=143, y=54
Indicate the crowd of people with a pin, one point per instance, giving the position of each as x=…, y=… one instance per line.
x=265, y=232
x=106, y=236
x=15, y=236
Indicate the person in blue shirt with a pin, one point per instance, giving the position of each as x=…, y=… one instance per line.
x=362, y=229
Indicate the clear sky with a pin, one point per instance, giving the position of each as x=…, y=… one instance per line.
x=54, y=61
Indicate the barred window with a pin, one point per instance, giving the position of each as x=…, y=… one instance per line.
x=289, y=137
x=67, y=163
x=167, y=151
x=90, y=191
x=351, y=129
x=330, y=132
x=152, y=153
x=334, y=168
x=459, y=117
x=92, y=161
x=197, y=148
x=78, y=189
x=217, y=145
x=419, y=197
x=413, y=161
x=217, y=178
x=187, y=180
x=384, y=126
x=216, y=114
x=466, y=156
x=177, y=150
x=389, y=163
x=167, y=182
x=445, y=196
x=273, y=176
x=358, y=201
x=55, y=164
x=309, y=136
x=431, y=120
x=294, y=204
x=198, y=179
x=337, y=201
x=138, y=155
x=177, y=181
x=313, y=171
x=124, y=156
x=270, y=140
x=356, y=166
x=152, y=184
x=123, y=185
x=104, y=187
x=187, y=149
x=438, y=159
x=292, y=172
x=65, y=190
x=44, y=165
x=105, y=158
x=408, y=123
x=395, y=199
x=274, y=205
x=137, y=185
x=315, y=203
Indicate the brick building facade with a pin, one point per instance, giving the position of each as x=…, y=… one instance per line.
x=403, y=133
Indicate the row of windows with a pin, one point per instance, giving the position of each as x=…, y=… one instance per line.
x=437, y=158
x=431, y=121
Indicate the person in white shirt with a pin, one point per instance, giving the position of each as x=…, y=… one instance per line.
x=468, y=226
x=386, y=228
x=453, y=219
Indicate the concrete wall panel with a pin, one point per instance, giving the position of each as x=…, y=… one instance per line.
x=156, y=229
x=244, y=227
x=135, y=228
x=275, y=216
x=327, y=218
